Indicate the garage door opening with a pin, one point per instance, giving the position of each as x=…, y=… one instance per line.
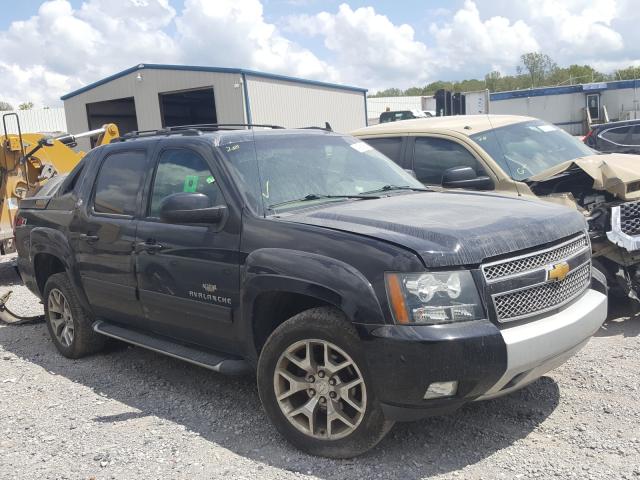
x=188, y=107
x=121, y=111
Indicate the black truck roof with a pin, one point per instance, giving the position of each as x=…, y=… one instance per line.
x=221, y=130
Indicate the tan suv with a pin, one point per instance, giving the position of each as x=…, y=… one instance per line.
x=528, y=157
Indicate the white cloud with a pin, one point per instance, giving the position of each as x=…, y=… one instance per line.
x=235, y=33
x=367, y=45
x=469, y=39
x=62, y=48
x=569, y=27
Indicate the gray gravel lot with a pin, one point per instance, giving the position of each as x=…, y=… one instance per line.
x=130, y=413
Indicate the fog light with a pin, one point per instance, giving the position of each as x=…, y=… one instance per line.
x=441, y=389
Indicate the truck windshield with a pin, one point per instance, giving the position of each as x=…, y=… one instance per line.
x=283, y=171
x=529, y=148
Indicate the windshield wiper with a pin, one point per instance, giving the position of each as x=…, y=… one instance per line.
x=389, y=188
x=318, y=196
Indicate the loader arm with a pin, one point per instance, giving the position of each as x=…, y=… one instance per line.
x=28, y=160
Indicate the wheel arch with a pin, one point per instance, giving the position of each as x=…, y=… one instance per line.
x=51, y=253
x=279, y=283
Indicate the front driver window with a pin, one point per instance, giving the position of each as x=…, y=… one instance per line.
x=432, y=156
x=182, y=170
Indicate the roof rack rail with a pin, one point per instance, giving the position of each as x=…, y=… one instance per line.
x=222, y=126
x=194, y=130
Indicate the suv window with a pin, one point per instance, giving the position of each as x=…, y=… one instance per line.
x=617, y=135
x=181, y=170
x=119, y=182
x=635, y=136
x=389, y=146
x=386, y=117
x=432, y=156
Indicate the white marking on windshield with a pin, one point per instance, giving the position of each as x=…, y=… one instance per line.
x=361, y=147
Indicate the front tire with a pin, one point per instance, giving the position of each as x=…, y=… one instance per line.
x=315, y=387
x=69, y=325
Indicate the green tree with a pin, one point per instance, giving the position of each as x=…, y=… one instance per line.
x=470, y=85
x=415, y=92
x=389, y=92
x=5, y=106
x=629, y=73
x=25, y=106
x=537, y=66
x=492, y=80
x=435, y=86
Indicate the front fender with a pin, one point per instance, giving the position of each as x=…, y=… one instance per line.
x=327, y=279
x=55, y=243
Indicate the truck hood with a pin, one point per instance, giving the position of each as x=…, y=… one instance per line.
x=450, y=228
x=616, y=173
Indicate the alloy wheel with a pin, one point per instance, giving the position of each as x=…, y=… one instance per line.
x=60, y=317
x=320, y=389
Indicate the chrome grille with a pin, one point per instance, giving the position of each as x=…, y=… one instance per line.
x=512, y=266
x=540, y=298
x=630, y=218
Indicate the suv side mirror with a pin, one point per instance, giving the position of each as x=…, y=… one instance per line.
x=187, y=207
x=465, y=177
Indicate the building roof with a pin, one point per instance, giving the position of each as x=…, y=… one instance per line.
x=194, y=68
x=565, y=89
x=464, y=124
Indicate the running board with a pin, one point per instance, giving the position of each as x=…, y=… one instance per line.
x=213, y=361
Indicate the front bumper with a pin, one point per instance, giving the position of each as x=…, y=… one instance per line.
x=485, y=360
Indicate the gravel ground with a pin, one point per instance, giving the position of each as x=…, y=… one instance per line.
x=130, y=413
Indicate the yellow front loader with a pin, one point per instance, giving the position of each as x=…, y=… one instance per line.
x=28, y=160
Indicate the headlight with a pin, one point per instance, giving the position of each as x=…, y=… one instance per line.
x=433, y=297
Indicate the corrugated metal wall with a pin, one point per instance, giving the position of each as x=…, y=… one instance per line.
x=272, y=101
x=557, y=109
x=40, y=120
x=377, y=105
x=567, y=110
x=621, y=101
x=292, y=104
x=227, y=88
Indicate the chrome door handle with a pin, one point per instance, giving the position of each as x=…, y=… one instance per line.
x=89, y=238
x=149, y=247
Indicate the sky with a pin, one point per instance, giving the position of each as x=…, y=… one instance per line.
x=49, y=48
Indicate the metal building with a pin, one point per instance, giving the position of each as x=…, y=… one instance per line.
x=150, y=96
x=573, y=107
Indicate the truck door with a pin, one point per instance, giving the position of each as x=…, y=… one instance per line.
x=104, y=233
x=188, y=275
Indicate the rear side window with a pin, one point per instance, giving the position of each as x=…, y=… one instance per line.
x=51, y=187
x=635, y=136
x=182, y=170
x=617, y=135
x=118, y=183
x=432, y=156
x=73, y=180
x=389, y=146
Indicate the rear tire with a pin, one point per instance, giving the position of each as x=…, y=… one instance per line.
x=69, y=325
x=314, y=385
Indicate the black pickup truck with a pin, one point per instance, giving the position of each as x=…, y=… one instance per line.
x=359, y=296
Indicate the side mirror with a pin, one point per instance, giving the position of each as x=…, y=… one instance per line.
x=187, y=207
x=465, y=177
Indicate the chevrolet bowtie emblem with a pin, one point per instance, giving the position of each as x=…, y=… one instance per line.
x=208, y=287
x=558, y=272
